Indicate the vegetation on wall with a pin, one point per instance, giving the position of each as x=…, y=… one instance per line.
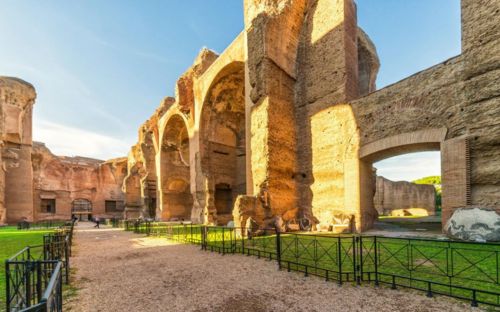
x=436, y=181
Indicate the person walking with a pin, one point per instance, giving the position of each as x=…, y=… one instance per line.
x=96, y=220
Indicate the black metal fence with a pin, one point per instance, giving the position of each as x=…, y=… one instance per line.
x=469, y=271
x=47, y=224
x=34, y=275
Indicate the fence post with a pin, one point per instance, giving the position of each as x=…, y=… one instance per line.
x=223, y=242
x=191, y=231
x=429, y=290
x=233, y=240
x=203, y=239
x=66, y=256
x=7, y=284
x=375, y=248
x=38, y=281
x=278, y=248
x=339, y=258
x=60, y=293
x=474, y=299
x=27, y=277
x=359, y=265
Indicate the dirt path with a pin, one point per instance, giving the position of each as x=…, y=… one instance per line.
x=121, y=271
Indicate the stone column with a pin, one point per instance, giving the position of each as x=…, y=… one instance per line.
x=272, y=33
x=16, y=100
x=19, y=183
x=327, y=79
x=455, y=176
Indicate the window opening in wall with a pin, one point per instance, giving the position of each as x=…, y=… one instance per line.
x=48, y=205
x=113, y=206
x=223, y=199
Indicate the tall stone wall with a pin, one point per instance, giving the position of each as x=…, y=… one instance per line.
x=480, y=75
x=16, y=180
x=140, y=184
x=336, y=61
x=285, y=123
x=272, y=33
x=461, y=96
x=404, y=198
x=315, y=124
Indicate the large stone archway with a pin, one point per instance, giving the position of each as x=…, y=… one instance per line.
x=454, y=166
x=176, y=198
x=223, y=142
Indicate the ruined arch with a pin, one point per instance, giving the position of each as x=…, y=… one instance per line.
x=454, y=166
x=223, y=141
x=176, y=198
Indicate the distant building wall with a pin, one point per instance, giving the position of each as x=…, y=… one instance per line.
x=404, y=198
x=37, y=185
x=66, y=179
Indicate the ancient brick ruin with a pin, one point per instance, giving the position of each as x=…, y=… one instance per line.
x=401, y=198
x=285, y=122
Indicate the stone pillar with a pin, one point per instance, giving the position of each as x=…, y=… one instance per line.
x=16, y=100
x=455, y=176
x=19, y=183
x=272, y=32
x=328, y=164
x=480, y=76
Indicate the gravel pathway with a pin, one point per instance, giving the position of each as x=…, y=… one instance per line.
x=122, y=271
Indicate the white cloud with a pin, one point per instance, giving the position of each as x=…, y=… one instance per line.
x=410, y=167
x=69, y=141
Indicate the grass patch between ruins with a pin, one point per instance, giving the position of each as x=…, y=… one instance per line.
x=12, y=241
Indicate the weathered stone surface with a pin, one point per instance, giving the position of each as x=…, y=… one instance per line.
x=66, y=179
x=297, y=90
x=286, y=123
x=184, y=92
x=368, y=64
x=16, y=180
x=474, y=224
x=404, y=198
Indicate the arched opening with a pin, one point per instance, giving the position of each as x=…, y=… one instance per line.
x=177, y=201
x=82, y=209
x=223, y=140
x=396, y=181
x=408, y=192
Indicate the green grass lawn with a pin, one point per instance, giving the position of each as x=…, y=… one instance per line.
x=12, y=241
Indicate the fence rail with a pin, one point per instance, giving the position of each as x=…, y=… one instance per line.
x=34, y=275
x=47, y=224
x=468, y=271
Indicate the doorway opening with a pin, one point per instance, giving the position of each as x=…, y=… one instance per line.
x=408, y=192
x=82, y=209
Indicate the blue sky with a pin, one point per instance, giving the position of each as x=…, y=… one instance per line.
x=101, y=67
